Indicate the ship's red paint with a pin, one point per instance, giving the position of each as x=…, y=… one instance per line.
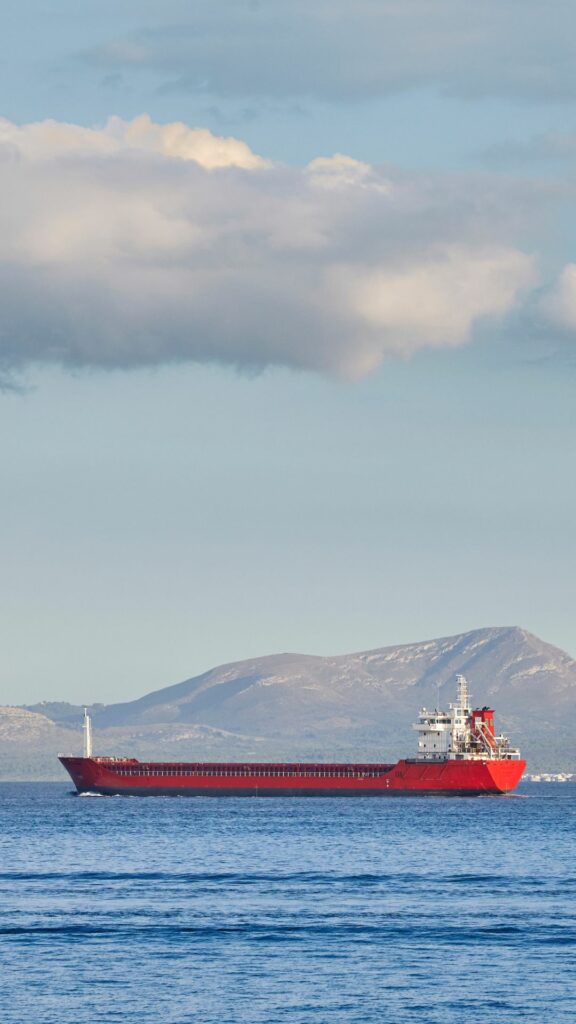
x=466, y=777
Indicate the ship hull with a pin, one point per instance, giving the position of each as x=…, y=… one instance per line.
x=117, y=777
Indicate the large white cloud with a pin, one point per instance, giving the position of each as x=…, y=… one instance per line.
x=140, y=244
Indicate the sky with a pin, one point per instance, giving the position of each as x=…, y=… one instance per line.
x=287, y=332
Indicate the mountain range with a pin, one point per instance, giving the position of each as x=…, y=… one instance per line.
x=304, y=706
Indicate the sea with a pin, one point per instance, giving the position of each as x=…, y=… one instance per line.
x=265, y=911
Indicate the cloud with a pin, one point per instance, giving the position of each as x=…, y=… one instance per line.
x=440, y=298
x=332, y=50
x=546, y=147
x=142, y=244
x=340, y=170
x=45, y=139
x=558, y=305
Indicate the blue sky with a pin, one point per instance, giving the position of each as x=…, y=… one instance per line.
x=287, y=354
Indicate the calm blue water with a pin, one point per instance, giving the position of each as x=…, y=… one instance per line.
x=265, y=911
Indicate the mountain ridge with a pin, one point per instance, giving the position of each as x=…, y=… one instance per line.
x=300, y=705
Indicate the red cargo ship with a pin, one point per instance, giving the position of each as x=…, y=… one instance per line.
x=459, y=754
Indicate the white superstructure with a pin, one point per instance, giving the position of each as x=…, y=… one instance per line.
x=461, y=733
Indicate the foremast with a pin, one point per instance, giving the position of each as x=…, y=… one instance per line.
x=87, y=727
x=462, y=732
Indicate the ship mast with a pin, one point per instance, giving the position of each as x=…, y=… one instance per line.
x=87, y=734
x=462, y=694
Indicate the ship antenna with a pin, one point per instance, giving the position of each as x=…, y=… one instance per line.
x=87, y=734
